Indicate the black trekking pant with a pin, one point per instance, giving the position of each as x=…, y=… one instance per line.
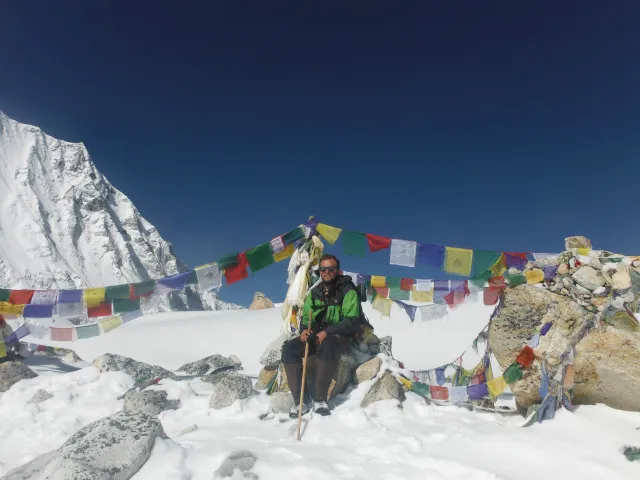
x=327, y=357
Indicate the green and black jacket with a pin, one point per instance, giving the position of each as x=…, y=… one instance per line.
x=334, y=308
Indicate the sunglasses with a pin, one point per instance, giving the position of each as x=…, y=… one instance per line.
x=328, y=269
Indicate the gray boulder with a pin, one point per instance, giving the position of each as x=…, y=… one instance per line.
x=241, y=461
x=151, y=402
x=112, y=448
x=271, y=356
x=13, y=372
x=368, y=370
x=281, y=402
x=40, y=396
x=385, y=388
x=229, y=387
x=386, y=346
x=589, y=278
x=138, y=370
x=211, y=363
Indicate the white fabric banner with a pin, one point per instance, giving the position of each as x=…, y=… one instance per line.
x=458, y=394
x=424, y=285
x=432, y=312
x=67, y=310
x=277, y=245
x=403, y=252
x=44, y=297
x=209, y=276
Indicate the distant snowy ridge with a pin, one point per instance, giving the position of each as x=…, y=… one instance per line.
x=63, y=225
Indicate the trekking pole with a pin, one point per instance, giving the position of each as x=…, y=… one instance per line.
x=304, y=375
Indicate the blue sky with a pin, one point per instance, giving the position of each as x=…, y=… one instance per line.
x=488, y=125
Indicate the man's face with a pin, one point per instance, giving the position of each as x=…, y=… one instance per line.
x=328, y=270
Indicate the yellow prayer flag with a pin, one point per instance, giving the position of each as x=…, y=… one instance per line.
x=7, y=308
x=417, y=296
x=383, y=305
x=94, y=296
x=378, y=281
x=584, y=251
x=458, y=261
x=3, y=350
x=110, y=323
x=496, y=386
x=534, y=276
x=498, y=268
x=329, y=233
x=407, y=383
x=284, y=254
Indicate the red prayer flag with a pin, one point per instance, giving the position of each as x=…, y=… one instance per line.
x=383, y=291
x=477, y=379
x=20, y=297
x=62, y=334
x=526, y=357
x=439, y=393
x=238, y=272
x=497, y=282
x=521, y=255
x=406, y=283
x=456, y=297
x=491, y=295
x=102, y=310
x=377, y=243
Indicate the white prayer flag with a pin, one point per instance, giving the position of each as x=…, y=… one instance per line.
x=209, y=276
x=424, y=285
x=458, y=394
x=132, y=315
x=432, y=312
x=44, y=297
x=277, y=245
x=403, y=252
x=67, y=310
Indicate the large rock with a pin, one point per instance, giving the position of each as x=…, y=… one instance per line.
x=13, y=372
x=386, y=388
x=237, y=465
x=260, y=302
x=138, y=370
x=281, y=402
x=151, y=402
x=344, y=375
x=369, y=370
x=576, y=242
x=272, y=355
x=618, y=276
x=112, y=448
x=229, y=387
x=211, y=363
x=589, y=278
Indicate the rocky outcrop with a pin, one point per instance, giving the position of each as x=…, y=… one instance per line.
x=211, y=363
x=229, y=387
x=576, y=242
x=369, y=370
x=273, y=353
x=40, y=396
x=13, y=372
x=260, y=302
x=237, y=465
x=150, y=402
x=138, y=370
x=112, y=448
x=385, y=388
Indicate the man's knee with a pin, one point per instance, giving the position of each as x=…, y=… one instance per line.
x=291, y=351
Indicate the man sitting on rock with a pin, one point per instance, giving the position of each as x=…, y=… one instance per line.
x=334, y=306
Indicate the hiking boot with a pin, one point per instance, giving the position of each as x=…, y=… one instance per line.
x=321, y=408
x=306, y=408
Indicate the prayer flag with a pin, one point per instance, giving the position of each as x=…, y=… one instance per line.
x=483, y=260
x=439, y=393
x=497, y=282
x=410, y=309
x=432, y=312
x=174, y=282
x=38, y=311
x=550, y=272
x=430, y=255
x=4, y=295
x=393, y=282
x=440, y=380
x=110, y=323
x=515, y=279
x=498, y=268
x=20, y=297
x=260, y=257
x=545, y=328
x=458, y=261
x=21, y=332
x=125, y=305
x=277, y=245
x=543, y=256
x=94, y=296
x=229, y=260
x=209, y=276
x=383, y=305
x=284, y=254
x=61, y=334
x=457, y=295
x=399, y=294
x=424, y=297
x=584, y=251
x=424, y=285
x=378, y=281
x=354, y=243
x=535, y=341
x=441, y=286
x=377, y=243
x=515, y=259
x=543, y=389
x=406, y=284
x=403, y=252
x=143, y=289
x=238, y=272
x=477, y=392
x=526, y=357
x=44, y=297
x=382, y=291
x=103, y=309
x=3, y=350
x=513, y=373
x=114, y=292
x=329, y=233
x=496, y=386
x=534, y=276
x=293, y=236
x=458, y=394
x=491, y=295
x=38, y=330
x=69, y=310
x=132, y=315
x=477, y=379
x=87, y=331
x=70, y=296
x=10, y=309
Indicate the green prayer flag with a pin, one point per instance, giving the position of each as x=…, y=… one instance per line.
x=192, y=279
x=4, y=294
x=115, y=292
x=515, y=279
x=293, y=236
x=260, y=257
x=483, y=260
x=421, y=389
x=394, y=282
x=399, y=294
x=354, y=243
x=121, y=305
x=142, y=289
x=513, y=373
x=230, y=260
x=88, y=331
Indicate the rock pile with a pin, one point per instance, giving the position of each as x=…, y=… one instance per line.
x=260, y=302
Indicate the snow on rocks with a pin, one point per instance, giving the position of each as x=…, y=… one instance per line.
x=40, y=396
x=150, y=402
x=281, y=402
x=13, y=372
x=369, y=370
x=211, y=363
x=271, y=356
x=229, y=386
x=387, y=387
x=138, y=370
x=241, y=461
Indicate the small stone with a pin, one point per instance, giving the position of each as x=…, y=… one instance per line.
x=138, y=370
x=368, y=370
x=576, y=242
x=40, y=396
x=281, y=402
x=242, y=461
x=260, y=302
x=567, y=282
x=580, y=290
x=563, y=269
x=150, y=402
x=231, y=386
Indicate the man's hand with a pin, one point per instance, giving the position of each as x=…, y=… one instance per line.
x=321, y=336
x=305, y=334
